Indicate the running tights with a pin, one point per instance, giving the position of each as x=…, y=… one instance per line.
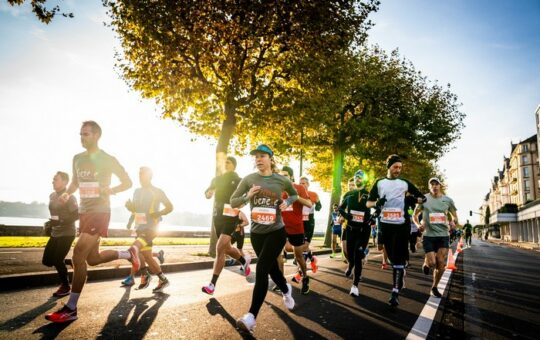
x=55, y=253
x=396, y=243
x=357, y=241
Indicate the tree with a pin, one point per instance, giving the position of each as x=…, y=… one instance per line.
x=216, y=66
x=42, y=13
x=371, y=104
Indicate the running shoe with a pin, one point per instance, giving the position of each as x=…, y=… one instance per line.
x=288, y=299
x=245, y=266
x=246, y=322
x=161, y=285
x=354, y=291
x=425, y=269
x=385, y=266
x=63, y=290
x=305, y=285
x=313, y=264
x=297, y=277
x=332, y=255
x=64, y=314
x=161, y=256
x=145, y=280
x=209, y=289
x=128, y=281
x=394, y=299
x=348, y=272
x=231, y=262
x=135, y=262
x=435, y=292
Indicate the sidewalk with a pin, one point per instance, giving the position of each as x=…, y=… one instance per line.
x=21, y=267
x=522, y=245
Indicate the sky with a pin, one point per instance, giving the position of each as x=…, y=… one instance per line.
x=53, y=77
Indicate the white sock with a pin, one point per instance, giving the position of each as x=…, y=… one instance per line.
x=73, y=299
x=124, y=254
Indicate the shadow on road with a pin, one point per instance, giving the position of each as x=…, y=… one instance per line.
x=51, y=330
x=143, y=313
x=215, y=308
x=23, y=319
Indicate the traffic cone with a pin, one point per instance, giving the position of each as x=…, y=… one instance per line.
x=451, y=264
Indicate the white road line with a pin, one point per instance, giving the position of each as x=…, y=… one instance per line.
x=423, y=324
x=10, y=252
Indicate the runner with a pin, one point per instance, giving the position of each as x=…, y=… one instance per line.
x=309, y=222
x=145, y=206
x=263, y=190
x=294, y=227
x=436, y=237
x=468, y=233
x=225, y=221
x=388, y=194
x=239, y=235
x=351, y=186
x=336, y=229
x=61, y=229
x=92, y=171
x=354, y=210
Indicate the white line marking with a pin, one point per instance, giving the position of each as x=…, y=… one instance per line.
x=473, y=277
x=10, y=252
x=422, y=325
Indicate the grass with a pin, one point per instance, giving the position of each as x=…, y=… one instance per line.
x=41, y=241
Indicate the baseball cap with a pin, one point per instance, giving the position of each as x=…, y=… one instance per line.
x=358, y=174
x=434, y=179
x=264, y=149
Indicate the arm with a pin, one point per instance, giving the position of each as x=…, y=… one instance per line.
x=167, y=205
x=209, y=193
x=303, y=197
x=417, y=212
x=343, y=209
x=420, y=198
x=293, y=195
x=125, y=181
x=243, y=219
x=73, y=186
x=318, y=205
x=373, y=196
x=243, y=193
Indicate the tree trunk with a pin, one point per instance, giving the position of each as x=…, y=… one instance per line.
x=337, y=175
x=227, y=130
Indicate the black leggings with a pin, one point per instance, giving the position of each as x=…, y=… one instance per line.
x=357, y=241
x=55, y=253
x=267, y=247
x=396, y=244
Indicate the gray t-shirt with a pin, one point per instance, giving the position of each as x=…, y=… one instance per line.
x=434, y=215
x=92, y=173
x=63, y=212
x=265, y=212
x=147, y=200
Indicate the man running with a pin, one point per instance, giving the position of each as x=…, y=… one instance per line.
x=468, y=233
x=336, y=228
x=61, y=229
x=388, y=195
x=145, y=206
x=357, y=214
x=309, y=222
x=436, y=242
x=225, y=221
x=294, y=227
x=92, y=172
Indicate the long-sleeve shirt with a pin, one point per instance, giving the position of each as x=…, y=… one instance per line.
x=66, y=214
x=354, y=209
x=265, y=212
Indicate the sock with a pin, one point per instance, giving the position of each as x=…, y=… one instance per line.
x=124, y=254
x=242, y=260
x=214, y=279
x=398, y=272
x=73, y=299
x=310, y=255
x=144, y=271
x=161, y=276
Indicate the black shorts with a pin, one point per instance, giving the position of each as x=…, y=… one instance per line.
x=148, y=235
x=225, y=225
x=296, y=240
x=435, y=243
x=238, y=237
x=309, y=228
x=344, y=233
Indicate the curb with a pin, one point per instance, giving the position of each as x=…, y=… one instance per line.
x=50, y=278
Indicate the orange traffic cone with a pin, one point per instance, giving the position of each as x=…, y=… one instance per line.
x=451, y=264
x=459, y=248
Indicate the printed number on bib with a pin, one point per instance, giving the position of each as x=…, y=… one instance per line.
x=140, y=219
x=437, y=218
x=89, y=189
x=357, y=216
x=265, y=216
x=392, y=215
x=230, y=211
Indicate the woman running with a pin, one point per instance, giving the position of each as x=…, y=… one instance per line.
x=263, y=190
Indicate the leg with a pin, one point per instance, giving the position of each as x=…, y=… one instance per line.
x=300, y=259
x=441, y=265
x=334, y=239
x=85, y=245
x=63, y=246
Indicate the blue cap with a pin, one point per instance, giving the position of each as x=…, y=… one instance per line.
x=264, y=149
x=359, y=173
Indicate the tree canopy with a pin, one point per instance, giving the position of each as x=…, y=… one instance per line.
x=43, y=13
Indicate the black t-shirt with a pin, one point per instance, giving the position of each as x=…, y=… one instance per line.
x=224, y=187
x=354, y=208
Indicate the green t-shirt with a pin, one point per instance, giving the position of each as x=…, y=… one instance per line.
x=434, y=215
x=467, y=228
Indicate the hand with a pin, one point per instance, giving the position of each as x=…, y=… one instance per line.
x=129, y=206
x=107, y=191
x=209, y=193
x=381, y=202
x=421, y=228
x=283, y=205
x=155, y=215
x=53, y=223
x=64, y=198
x=421, y=200
x=253, y=191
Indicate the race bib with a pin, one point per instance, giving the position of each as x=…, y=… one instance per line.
x=230, y=211
x=266, y=216
x=392, y=215
x=55, y=218
x=140, y=219
x=357, y=216
x=89, y=189
x=437, y=218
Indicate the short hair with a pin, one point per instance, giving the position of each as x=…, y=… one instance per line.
x=96, y=129
x=233, y=160
x=304, y=178
x=147, y=169
x=289, y=170
x=64, y=176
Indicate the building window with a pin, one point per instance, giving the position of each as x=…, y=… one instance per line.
x=527, y=185
x=524, y=159
x=525, y=148
x=526, y=172
x=528, y=197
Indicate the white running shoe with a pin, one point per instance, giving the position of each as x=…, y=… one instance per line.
x=288, y=299
x=245, y=267
x=246, y=322
x=354, y=291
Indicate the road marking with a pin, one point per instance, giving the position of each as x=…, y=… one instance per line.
x=473, y=277
x=10, y=252
x=422, y=325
